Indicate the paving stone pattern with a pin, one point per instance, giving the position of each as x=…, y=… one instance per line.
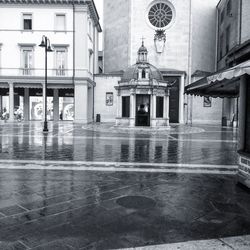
x=58, y=209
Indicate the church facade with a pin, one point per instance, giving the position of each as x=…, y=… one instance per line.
x=180, y=37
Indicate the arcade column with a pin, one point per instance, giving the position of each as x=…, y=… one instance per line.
x=26, y=104
x=11, y=103
x=56, y=105
x=244, y=132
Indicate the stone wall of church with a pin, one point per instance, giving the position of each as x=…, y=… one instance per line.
x=175, y=54
x=105, y=85
x=116, y=34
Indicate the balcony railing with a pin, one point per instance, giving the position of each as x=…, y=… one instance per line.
x=60, y=72
x=26, y=71
x=39, y=72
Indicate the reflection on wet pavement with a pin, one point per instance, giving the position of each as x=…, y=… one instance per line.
x=68, y=142
x=51, y=209
x=49, y=198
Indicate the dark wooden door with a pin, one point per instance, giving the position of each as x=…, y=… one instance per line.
x=142, y=110
x=174, y=99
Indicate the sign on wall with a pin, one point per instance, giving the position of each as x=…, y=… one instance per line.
x=207, y=101
x=109, y=98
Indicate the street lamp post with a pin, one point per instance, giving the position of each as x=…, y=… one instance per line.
x=46, y=45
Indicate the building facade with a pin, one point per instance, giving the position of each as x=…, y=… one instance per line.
x=232, y=79
x=72, y=28
x=180, y=37
x=233, y=46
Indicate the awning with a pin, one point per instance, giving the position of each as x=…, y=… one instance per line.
x=220, y=84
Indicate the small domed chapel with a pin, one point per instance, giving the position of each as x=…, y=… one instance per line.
x=142, y=95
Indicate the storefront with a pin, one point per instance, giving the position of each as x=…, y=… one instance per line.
x=232, y=82
x=28, y=99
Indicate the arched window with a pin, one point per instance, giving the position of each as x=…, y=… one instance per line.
x=143, y=74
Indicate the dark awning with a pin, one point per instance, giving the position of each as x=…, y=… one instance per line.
x=220, y=84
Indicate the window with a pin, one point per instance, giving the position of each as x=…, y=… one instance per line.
x=125, y=106
x=60, y=24
x=228, y=31
x=159, y=106
x=27, y=60
x=221, y=46
x=60, y=61
x=160, y=14
x=143, y=74
x=27, y=21
x=229, y=7
x=222, y=16
x=90, y=60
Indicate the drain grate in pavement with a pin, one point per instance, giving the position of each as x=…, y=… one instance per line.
x=136, y=202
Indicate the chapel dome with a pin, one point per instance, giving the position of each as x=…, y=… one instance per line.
x=131, y=73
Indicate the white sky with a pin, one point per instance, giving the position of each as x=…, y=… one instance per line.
x=99, y=6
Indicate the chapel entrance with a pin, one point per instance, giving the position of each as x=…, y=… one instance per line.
x=142, y=110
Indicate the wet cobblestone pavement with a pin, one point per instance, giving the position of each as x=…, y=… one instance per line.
x=106, y=143
x=102, y=187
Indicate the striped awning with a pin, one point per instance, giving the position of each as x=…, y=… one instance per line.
x=224, y=83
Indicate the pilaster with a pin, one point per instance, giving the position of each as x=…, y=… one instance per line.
x=81, y=102
x=81, y=40
x=181, y=100
x=166, y=107
x=132, y=109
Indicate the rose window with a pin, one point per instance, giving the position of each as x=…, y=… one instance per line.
x=160, y=15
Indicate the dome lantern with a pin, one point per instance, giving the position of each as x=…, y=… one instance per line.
x=142, y=54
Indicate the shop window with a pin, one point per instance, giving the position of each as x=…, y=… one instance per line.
x=125, y=106
x=36, y=108
x=159, y=106
x=66, y=108
x=27, y=21
x=60, y=22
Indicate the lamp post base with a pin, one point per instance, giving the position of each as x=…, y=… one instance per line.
x=45, y=127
